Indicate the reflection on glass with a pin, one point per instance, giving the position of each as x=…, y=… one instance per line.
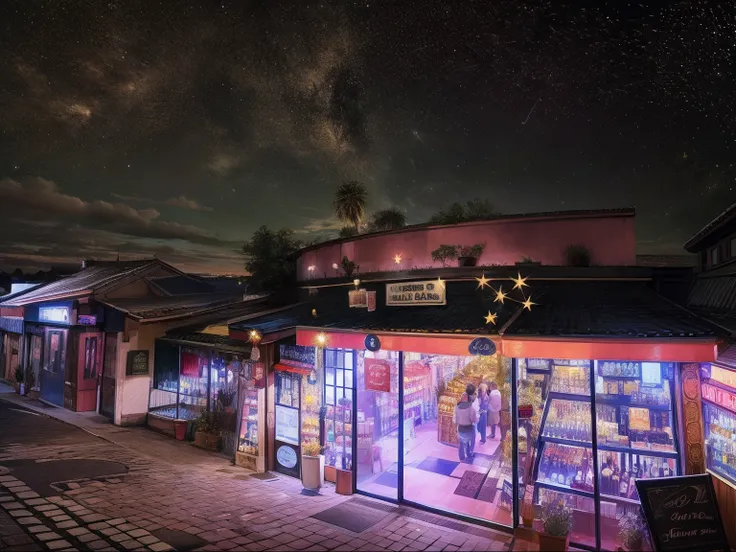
x=339, y=412
x=720, y=438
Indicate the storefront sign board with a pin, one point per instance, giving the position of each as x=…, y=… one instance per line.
x=137, y=363
x=377, y=375
x=287, y=424
x=482, y=346
x=372, y=343
x=87, y=320
x=427, y=293
x=721, y=397
x=56, y=315
x=682, y=513
x=296, y=355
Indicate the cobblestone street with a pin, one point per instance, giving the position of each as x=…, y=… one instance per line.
x=158, y=503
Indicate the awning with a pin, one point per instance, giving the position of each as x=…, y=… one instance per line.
x=293, y=369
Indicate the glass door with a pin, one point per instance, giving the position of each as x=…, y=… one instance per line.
x=377, y=419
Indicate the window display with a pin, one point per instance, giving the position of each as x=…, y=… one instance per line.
x=719, y=419
x=339, y=377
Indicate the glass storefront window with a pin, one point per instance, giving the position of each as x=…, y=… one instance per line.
x=338, y=444
x=719, y=418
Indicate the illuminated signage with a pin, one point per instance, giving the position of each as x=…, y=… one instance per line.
x=721, y=397
x=430, y=292
x=58, y=315
x=86, y=320
x=721, y=375
x=482, y=346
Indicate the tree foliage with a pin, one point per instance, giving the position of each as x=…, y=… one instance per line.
x=475, y=209
x=350, y=202
x=388, y=219
x=270, y=258
x=348, y=232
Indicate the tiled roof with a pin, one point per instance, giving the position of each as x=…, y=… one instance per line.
x=283, y=319
x=174, y=306
x=714, y=295
x=694, y=243
x=208, y=340
x=89, y=278
x=181, y=285
x=607, y=309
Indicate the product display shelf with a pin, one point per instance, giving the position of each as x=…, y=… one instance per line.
x=720, y=439
x=339, y=435
x=638, y=451
x=251, y=433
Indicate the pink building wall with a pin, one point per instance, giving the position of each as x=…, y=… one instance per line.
x=610, y=238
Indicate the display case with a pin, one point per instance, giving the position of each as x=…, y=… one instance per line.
x=338, y=411
x=250, y=453
x=719, y=419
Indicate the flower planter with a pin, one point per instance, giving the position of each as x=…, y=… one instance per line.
x=331, y=474
x=467, y=261
x=551, y=543
x=344, y=484
x=207, y=441
x=180, y=429
x=313, y=469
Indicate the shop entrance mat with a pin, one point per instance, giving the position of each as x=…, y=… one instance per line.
x=351, y=517
x=438, y=465
x=470, y=484
x=489, y=490
x=268, y=476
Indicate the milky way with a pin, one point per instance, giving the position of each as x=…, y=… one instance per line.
x=177, y=128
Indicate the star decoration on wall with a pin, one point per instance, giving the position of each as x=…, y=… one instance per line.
x=501, y=296
x=397, y=258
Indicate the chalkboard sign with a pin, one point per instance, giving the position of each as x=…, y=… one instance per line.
x=682, y=513
x=296, y=355
x=137, y=364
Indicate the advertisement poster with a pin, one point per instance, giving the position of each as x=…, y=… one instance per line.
x=357, y=299
x=371, y=298
x=287, y=424
x=377, y=375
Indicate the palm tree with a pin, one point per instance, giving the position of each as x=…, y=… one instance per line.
x=350, y=201
x=388, y=219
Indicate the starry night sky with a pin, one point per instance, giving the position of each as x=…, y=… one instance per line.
x=177, y=128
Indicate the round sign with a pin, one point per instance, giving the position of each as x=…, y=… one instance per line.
x=286, y=456
x=482, y=346
x=372, y=343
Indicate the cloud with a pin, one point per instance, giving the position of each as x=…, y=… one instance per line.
x=318, y=225
x=223, y=164
x=42, y=198
x=185, y=203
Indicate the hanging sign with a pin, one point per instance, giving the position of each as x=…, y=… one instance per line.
x=415, y=369
x=377, y=375
x=256, y=371
x=430, y=292
x=371, y=298
x=137, y=364
x=297, y=355
x=682, y=513
x=372, y=343
x=526, y=411
x=482, y=346
x=87, y=320
x=721, y=397
x=58, y=315
x=357, y=299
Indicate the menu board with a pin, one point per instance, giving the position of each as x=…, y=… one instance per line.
x=287, y=424
x=682, y=513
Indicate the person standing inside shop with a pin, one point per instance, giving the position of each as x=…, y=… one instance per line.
x=465, y=418
x=494, y=410
x=483, y=401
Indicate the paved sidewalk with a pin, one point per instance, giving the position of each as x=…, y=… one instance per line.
x=177, y=497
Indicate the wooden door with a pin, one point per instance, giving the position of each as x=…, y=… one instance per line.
x=107, y=390
x=89, y=364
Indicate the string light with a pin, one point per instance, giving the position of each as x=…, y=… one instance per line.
x=397, y=258
x=255, y=337
x=321, y=339
x=519, y=282
x=500, y=295
x=482, y=282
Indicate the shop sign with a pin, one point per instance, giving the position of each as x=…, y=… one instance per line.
x=357, y=299
x=371, y=299
x=430, y=292
x=482, y=346
x=721, y=397
x=87, y=320
x=57, y=315
x=682, y=513
x=137, y=363
x=377, y=375
x=526, y=411
x=286, y=456
x=372, y=343
x=287, y=424
x=297, y=356
x=721, y=375
x=538, y=364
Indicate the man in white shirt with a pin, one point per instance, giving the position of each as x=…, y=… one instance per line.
x=494, y=410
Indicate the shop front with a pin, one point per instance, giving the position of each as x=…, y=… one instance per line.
x=570, y=429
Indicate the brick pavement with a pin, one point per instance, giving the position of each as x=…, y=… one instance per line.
x=221, y=505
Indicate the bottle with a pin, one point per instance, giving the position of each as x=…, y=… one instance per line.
x=624, y=484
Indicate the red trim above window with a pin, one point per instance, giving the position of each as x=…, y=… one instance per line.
x=292, y=369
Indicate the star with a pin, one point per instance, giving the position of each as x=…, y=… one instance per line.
x=528, y=303
x=482, y=282
x=491, y=318
x=500, y=296
x=519, y=282
x=397, y=258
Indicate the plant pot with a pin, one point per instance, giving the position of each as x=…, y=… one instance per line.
x=551, y=543
x=206, y=441
x=467, y=261
x=313, y=469
x=344, y=483
x=180, y=429
x=22, y=388
x=331, y=474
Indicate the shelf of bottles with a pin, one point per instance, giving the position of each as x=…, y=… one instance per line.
x=416, y=398
x=249, y=426
x=720, y=441
x=339, y=435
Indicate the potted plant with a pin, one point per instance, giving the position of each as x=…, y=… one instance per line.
x=528, y=262
x=557, y=523
x=468, y=255
x=313, y=465
x=31, y=389
x=444, y=253
x=207, y=432
x=631, y=531
x=19, y=385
